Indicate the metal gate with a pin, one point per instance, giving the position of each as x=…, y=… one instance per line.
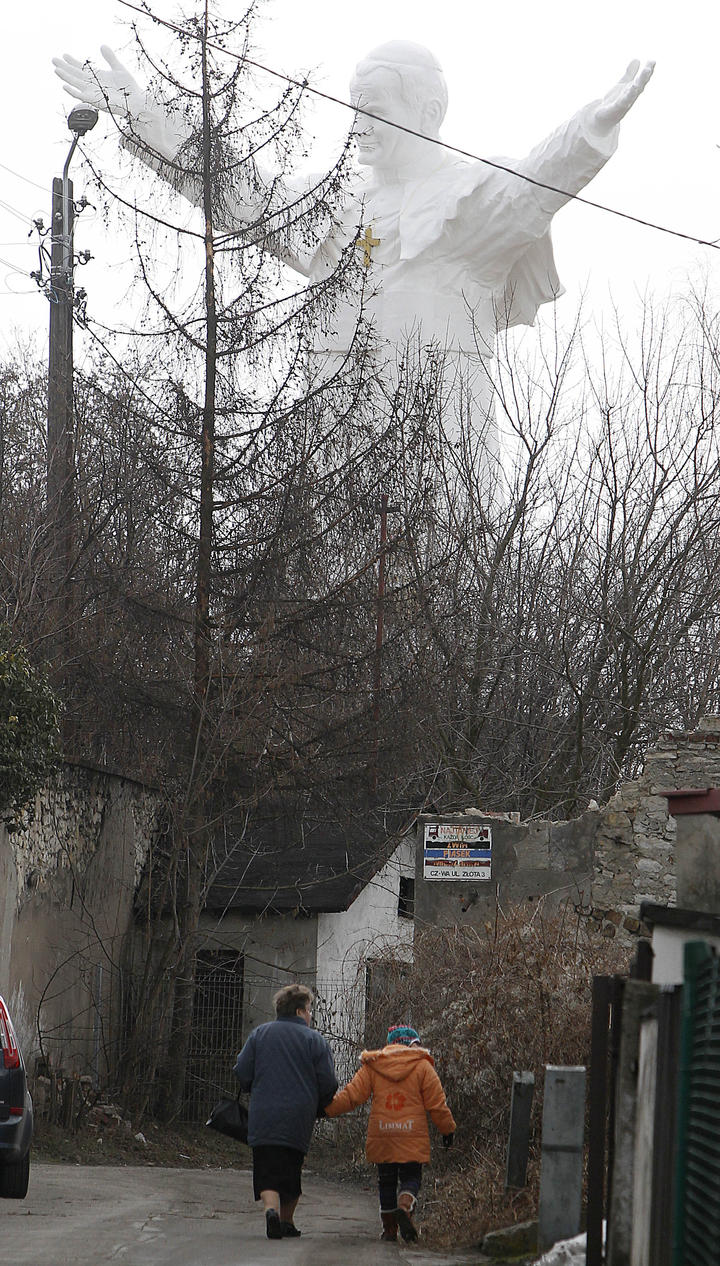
x=216, y=1031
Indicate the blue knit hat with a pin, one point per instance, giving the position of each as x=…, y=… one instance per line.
x=402, y=1034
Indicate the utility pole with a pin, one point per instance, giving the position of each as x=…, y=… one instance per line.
x=60, y=425
x=60, y=439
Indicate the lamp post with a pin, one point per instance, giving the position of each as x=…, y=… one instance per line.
x=60, y=428
x=60, y=368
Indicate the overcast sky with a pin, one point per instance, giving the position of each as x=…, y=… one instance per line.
x=514, y=72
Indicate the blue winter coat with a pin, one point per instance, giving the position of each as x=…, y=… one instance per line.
x=289, y=1071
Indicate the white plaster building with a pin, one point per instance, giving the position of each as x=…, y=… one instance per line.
x=378, y=922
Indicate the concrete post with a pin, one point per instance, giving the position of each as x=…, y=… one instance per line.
x=563, y=1129
x=637, y=997
x=523, y=1088
x=644, y=1144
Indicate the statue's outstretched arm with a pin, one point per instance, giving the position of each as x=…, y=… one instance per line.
x=148, y=127
x=570, y=158
x=501, y=216
x=157, y=137
x=113, y=90
x=613, y=107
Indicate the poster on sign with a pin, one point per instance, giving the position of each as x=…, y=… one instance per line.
x=454, y=850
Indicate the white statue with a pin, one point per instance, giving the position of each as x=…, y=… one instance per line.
x=455, y=249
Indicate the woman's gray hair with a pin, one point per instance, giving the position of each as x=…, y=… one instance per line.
x=291, y=999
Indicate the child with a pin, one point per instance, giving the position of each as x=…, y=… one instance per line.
x=404, y=1086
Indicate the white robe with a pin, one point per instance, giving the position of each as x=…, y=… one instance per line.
x=464, y=248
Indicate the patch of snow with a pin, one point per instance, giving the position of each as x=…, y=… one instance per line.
x=566, y=1253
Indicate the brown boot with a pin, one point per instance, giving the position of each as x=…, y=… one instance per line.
x=406, y=1207
x=390, y=1226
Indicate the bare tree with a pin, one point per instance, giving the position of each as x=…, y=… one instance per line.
x=269, y=467
x=572, y=608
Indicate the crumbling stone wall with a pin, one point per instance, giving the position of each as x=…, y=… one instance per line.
x=70, y=873
x=634, y=855
x=67, y=820
x=635, y=843
x=605, y=863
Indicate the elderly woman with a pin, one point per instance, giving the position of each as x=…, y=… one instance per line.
x=288, y=1068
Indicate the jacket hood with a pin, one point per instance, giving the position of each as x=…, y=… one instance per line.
x=396, y=1062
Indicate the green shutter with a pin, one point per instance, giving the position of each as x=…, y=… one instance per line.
x=697, y=1215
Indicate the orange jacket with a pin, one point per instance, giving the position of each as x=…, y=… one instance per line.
x=404, y=1087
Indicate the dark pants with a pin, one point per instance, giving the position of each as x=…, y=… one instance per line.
x=391, y=1177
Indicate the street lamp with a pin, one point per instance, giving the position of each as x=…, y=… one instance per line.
x=80, y=120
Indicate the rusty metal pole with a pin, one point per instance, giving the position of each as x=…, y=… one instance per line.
x=60, y=486
x=379, y=627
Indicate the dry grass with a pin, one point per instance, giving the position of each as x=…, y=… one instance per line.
x=184, y=1146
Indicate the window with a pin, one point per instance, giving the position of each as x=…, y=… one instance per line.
x=406, y=899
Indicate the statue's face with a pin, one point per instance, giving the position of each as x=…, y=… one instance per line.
x=379, y=145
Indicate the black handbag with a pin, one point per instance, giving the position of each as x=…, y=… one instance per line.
x=230, y=1117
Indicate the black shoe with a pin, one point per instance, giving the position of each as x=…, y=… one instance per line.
x=289, y=1230
x=273, y=1225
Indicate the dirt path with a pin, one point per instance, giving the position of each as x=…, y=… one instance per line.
x=91, y=1215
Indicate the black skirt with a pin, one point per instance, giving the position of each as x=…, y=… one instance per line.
x=277, y=1169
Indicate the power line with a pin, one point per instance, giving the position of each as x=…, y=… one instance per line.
x=433, y=140
x=19, y=215
x=23, y=271
x=19, y=175
x=9, y=293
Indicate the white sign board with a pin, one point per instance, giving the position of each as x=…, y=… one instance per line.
x=457, y=850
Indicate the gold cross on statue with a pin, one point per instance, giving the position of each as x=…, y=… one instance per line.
x=367, y=241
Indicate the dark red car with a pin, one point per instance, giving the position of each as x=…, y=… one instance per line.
x=16, y=1113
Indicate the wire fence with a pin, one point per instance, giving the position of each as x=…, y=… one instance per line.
x=84, y=1033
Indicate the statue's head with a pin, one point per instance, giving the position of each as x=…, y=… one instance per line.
x=402, y=82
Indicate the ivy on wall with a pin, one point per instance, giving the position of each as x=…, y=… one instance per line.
x=29, y=731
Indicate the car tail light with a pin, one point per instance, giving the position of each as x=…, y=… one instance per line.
x=8, y=1041
x=16, y=1112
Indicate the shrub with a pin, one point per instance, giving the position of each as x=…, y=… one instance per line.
x=29, y=712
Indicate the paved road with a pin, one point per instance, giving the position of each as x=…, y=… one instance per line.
x=90, y=1215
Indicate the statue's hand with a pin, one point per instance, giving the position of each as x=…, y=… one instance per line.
x=616, y=103
x=114, y=90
